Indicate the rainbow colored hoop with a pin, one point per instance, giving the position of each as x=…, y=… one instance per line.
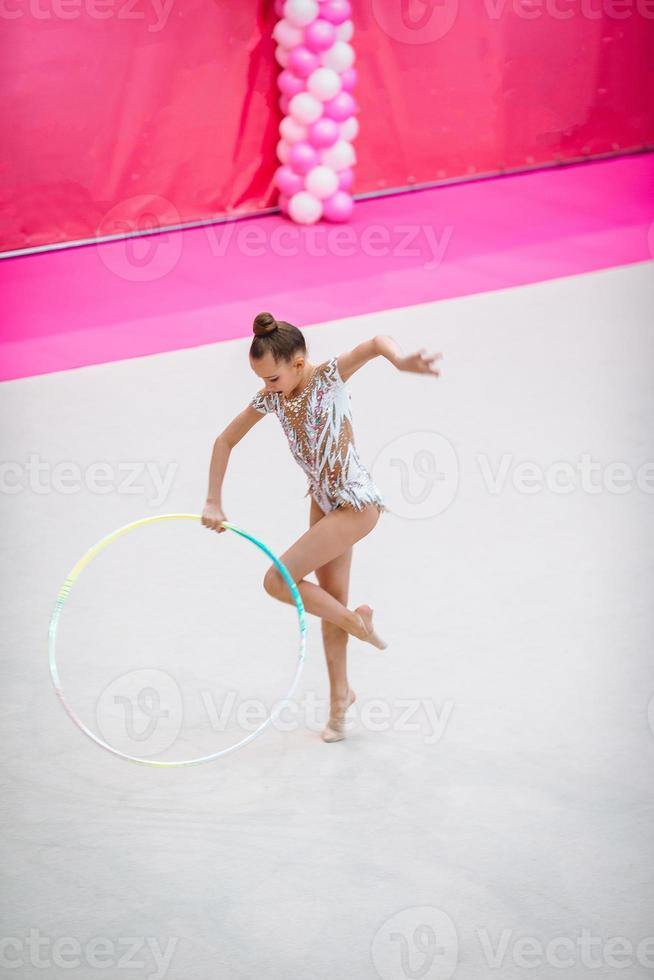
x=65, y=591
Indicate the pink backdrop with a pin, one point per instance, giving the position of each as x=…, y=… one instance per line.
x=127, y=114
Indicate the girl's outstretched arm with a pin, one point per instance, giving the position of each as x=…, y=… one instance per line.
x=213, y=513
x=421, y=362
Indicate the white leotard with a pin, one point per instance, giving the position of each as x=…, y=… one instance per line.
x=318, y=425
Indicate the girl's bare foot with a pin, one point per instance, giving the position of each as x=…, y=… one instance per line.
x=365, y=631
x=335, y=728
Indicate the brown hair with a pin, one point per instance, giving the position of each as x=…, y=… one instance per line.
x=282, y=339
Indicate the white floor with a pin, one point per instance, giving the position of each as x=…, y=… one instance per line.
x=491, y=812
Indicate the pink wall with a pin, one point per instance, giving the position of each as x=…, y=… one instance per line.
x=127, y=114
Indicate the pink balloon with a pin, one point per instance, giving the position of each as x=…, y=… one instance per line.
x=338, y=207
x=279, y=8
x=349, y=78
x=286, y=35
x=339, y=157
x=289, y=83
x=349, y=131
x=345, y=31
x=305, y=109
x=283, y=203
x=340, y=57
x=305, y=208
x=345, y=178
x=291, y=131
x=303, y=157
x=335, y=11
x=288, y=181
x=341, y=107
x=319, y=35
x=324, y=132
x=300, y=12
x=284, y=104
x=303, y=61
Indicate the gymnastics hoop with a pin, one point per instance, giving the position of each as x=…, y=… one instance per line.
x=65, y=591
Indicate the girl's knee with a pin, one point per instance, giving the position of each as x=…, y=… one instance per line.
x=273, y=582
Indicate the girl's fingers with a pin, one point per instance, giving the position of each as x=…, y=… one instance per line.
x=213, y=525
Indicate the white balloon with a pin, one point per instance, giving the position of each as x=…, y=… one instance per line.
x=345, y=31
x=340, y=156
x=340, y=56
x=281, y=56
x=305, y=109
x=283, y=150
x=304, y=208
x=291, y=131
x=350, y=129
x=324, y=84
x=322, y=182
x=300, y=12
x=287, y=35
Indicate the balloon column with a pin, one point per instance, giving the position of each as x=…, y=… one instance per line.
x=316, y=82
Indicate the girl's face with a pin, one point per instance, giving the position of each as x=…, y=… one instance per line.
x=279, y=376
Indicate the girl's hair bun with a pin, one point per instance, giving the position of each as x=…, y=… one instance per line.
x=264, y=323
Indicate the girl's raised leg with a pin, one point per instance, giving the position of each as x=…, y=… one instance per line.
x=325, y=540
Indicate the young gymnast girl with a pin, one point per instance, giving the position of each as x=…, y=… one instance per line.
x=312, y=402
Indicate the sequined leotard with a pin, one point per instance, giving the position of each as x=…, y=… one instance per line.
x=318, y=426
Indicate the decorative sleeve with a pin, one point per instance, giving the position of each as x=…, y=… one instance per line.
x=263, y=402
x=332, y=374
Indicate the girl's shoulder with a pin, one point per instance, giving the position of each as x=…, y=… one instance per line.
x=265, y=401
x=329, y=374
